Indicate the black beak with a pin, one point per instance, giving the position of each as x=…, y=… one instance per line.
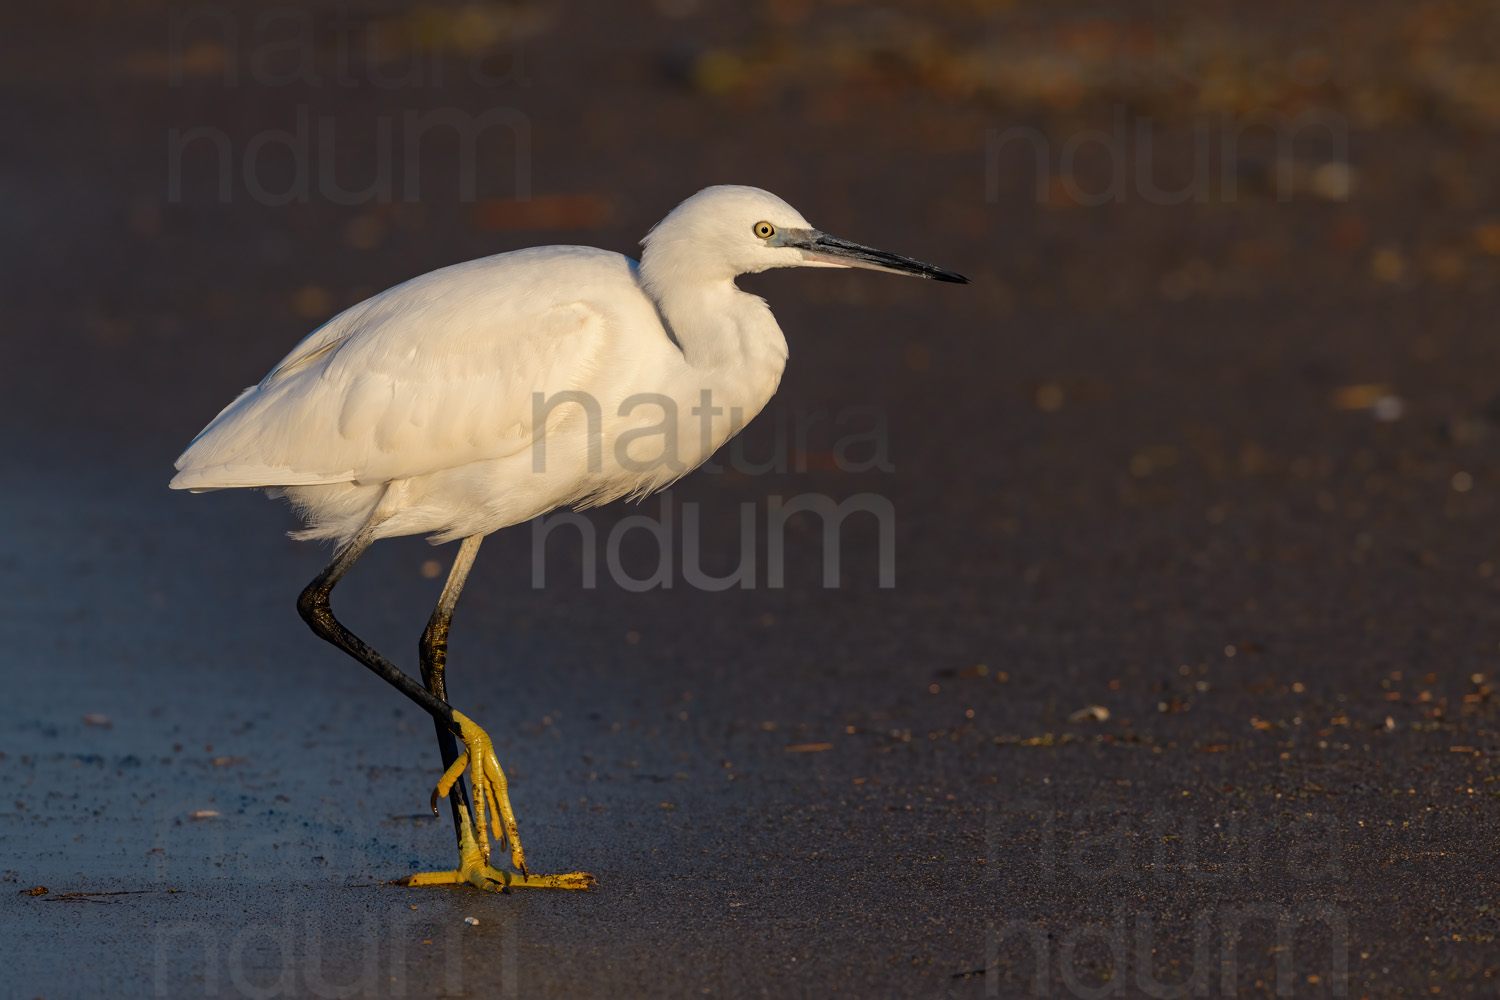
x=820, y=248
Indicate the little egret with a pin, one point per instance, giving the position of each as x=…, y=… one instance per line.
x=487, y=393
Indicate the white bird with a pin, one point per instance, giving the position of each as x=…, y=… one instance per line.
x=487, y=393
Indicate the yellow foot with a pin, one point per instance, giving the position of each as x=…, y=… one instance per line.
x=490, y=796
x=495, y=880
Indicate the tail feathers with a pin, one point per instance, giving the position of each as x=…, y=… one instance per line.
x=228, y=477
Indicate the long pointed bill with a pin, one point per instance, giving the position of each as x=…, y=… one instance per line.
x=830, y=251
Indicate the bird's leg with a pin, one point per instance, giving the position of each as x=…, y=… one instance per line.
x=491, y=795
x=432, y=652
x=313, y=604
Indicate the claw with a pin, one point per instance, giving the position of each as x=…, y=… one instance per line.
x=474, y=870
x=491, y=805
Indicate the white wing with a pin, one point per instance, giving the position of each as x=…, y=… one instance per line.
x=431, y=374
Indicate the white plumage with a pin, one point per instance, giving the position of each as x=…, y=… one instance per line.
x=423, y=400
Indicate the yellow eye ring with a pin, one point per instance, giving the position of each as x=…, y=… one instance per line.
x=765, y=230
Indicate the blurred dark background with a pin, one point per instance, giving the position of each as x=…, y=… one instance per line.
x=1194, y=492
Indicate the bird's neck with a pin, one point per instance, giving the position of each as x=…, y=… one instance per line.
x=732, y=351
x=726, y=334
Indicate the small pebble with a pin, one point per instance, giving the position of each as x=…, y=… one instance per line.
x=472, y=921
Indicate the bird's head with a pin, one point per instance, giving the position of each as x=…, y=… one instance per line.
x=728, y=230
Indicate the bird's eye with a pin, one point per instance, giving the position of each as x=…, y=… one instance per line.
x=765, y=230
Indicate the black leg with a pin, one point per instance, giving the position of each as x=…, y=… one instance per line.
x=474, y=867
x=316, y=611
x=433, y=652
